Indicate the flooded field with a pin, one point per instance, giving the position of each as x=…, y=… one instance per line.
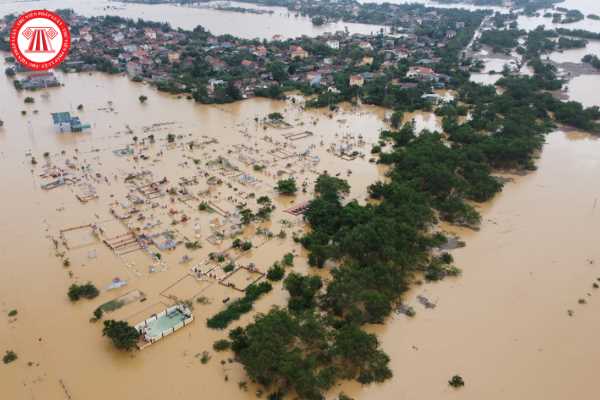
x=575, y=55
x=583, y=89
x=246, y=25
x=59, y=350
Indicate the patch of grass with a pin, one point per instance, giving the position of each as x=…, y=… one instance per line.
x=112, y=305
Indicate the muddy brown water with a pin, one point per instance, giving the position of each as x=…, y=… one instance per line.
x=503, y=325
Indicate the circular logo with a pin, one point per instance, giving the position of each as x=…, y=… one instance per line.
x=40, y=40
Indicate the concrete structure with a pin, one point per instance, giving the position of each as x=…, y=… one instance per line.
x=163, y=324
x=64, y=122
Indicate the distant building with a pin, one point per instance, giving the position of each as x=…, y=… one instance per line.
x=260, y=51
x=213, y=83
x=173, y=56
x=298, y=52
x=365, y=46
x=367, y=61
x=117, y=37
x=150, y=33
x=314, y=78
x=356, y=80
x=421, y=73
x=334, y=44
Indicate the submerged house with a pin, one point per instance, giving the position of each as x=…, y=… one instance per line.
x=64, y=122
x=39, y=81
x=163, y=324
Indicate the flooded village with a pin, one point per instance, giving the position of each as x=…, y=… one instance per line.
x=181, y=197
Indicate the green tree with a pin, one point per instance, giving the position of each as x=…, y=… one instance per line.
x=286, y=186
x=88, y=291
x=276, y=272
x=123, y=335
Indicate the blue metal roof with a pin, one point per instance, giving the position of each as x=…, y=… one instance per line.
x=61, y=118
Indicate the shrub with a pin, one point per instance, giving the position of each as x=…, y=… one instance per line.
x=275, y=116
x=205, y=357
x=229, y=267
x=12, y=313
x=193, y=245
x=9, y=357
x=88, y=291
x=288, y=260
x=221, y=345
x=456, y=381
x=286, y=186
x=240, y=306
x=275, y=273
x=98, y=313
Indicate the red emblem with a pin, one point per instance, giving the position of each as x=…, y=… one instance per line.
x=40, y=40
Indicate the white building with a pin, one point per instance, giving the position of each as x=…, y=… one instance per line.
x=334, y=44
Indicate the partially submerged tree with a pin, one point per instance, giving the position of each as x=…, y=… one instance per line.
x=123, y=335
x=88, y=291
x=9, y=357
x=286, y=186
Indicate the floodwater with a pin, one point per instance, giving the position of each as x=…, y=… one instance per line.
x=245, y=25
x=60, y=352
x=575, y=55
x=432, y=3
x=583, y=89
x=503, y=325
x=585, y=6
x=525, y=22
